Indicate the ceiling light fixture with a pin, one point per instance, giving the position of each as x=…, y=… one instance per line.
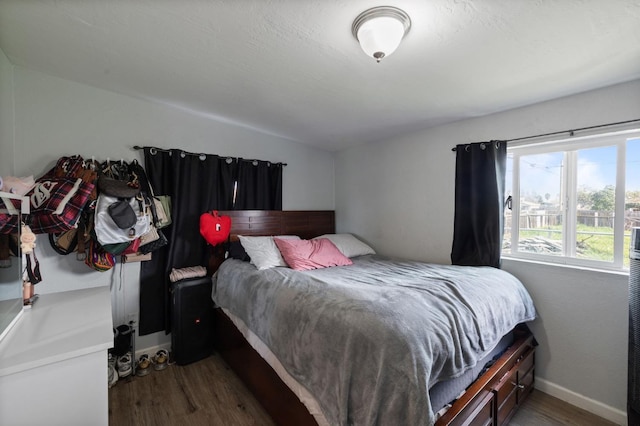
x=380, y=30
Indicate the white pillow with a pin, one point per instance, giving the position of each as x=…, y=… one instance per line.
x=263, y=251
x=349, y=245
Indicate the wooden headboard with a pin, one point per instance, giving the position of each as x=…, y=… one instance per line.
x=304, y=223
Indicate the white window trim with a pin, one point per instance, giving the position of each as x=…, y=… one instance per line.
x=618, y=225
x=570, y=147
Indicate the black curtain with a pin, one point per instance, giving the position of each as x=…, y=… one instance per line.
x=196, y=184
x=259, y=185
x=479, y=208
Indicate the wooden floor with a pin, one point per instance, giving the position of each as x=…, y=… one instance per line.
x=544, y=410
x=208, y=393
x=203, y=393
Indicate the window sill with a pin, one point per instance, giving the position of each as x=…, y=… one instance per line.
x=617, y=272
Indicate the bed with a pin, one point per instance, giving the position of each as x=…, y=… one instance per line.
x=331, y=347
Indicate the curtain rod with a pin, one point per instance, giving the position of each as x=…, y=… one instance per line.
x=570, y=131
x=137, y=148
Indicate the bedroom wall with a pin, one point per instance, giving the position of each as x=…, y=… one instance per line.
x=398, y=195
x=55, y=117
x=6, y=115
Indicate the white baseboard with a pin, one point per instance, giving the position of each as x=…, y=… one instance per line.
x=151, y=351
x=612, y=414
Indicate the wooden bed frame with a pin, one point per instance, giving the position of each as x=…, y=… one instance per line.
x=491, y=400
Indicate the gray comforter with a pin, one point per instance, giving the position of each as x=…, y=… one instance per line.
x=370, y=339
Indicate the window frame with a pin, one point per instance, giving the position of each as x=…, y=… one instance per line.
x=569, y=148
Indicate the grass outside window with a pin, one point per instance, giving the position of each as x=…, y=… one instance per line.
x=595, y=243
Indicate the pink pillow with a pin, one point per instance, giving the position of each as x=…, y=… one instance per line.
x=303, y=255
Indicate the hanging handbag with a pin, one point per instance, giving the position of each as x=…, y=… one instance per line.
x=89, y=174
x=122, y=214
x=214, y=228
x=76, y=167
x=117, y=248
x=9, y=215
x=150, y=236
x=57, y=203
x=136, y=257
x=116, y=180
x=99, y=259
x=163, y=210
x=160, y=204
x=133, y=247
x=52, y=191
x=85, y=230
x=152, y=241
x=66, y=167
x=65, y=242
x=108, y=232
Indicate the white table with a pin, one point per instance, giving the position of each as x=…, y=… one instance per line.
x=53, y=363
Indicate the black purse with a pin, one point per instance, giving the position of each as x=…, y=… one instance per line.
x=155, y=244
x=122, y=214
x=115, y=179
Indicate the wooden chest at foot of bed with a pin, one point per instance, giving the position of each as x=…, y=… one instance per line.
x=498, y=393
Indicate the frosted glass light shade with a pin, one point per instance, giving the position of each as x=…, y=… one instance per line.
x=380, y=30
x=380, y=35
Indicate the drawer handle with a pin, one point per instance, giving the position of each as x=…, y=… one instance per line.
x=518, y=386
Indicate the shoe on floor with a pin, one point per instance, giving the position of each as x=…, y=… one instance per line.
x=161, y=360
x=111, y=368
x=143, y=366
x=123, y=365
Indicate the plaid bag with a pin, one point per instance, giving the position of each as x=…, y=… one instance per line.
x=66, y=167
x=76, y=167
x=56, y=204
x=9, y=215
x=89, y=174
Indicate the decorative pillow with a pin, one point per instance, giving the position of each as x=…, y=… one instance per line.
x=348, y=245
x=303, y=255
x=236, y=251
x=214, y=228
x=263, y=251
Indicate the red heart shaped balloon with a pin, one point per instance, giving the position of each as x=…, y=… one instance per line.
x=215, y=229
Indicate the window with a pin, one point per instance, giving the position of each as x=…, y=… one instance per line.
x=567, y=196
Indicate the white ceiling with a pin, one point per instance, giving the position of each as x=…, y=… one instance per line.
x=293, y=69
